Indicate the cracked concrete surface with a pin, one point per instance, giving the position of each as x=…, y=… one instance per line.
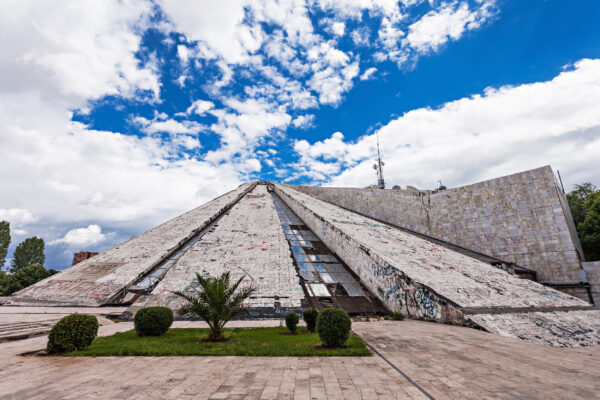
x=424, y=281
x=97, y=280
x=249, y=241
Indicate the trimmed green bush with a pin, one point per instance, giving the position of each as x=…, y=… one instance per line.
x=333, y=326
x=310, y=317
x=153, y=321
x=291, y=321
x=397, y=316
x=73, y=332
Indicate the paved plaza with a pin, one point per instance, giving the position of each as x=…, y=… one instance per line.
x=413, y=360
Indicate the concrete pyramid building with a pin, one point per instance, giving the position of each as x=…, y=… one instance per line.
x=491, y=256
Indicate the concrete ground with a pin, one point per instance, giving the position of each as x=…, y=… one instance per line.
x=415, y=360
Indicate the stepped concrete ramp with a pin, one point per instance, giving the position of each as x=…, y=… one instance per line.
x=103, y=278
x=417, y=278
x=249, y=242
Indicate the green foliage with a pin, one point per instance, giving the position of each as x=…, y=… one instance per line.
x=584, y=205
x=241, y=342
x=73, y=332
x=29, y=275
x=589, y=229
x=397, y=316
x=291, y=321
x=216, y=303
x=4, y=281
x=310, y=317
x=4, y=241
x=29, y=251
x=333, y=326
x=153, y=321
x=577, y=198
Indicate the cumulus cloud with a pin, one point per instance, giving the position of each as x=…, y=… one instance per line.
x=303, y=121
x=502, y=131
x=89, y=236
x=448, y=22
x=62, y=55
x=53, y=41
x=368, y=74
x=200, y=107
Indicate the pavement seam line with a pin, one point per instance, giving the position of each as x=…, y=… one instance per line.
x=415, y=384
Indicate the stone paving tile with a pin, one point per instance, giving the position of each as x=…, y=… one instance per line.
x=448, y=362
x=461, y=363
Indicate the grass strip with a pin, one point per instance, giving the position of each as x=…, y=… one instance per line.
x=241, y=342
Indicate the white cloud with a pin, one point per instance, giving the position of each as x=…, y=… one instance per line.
x=338, y=28
x=89, y=236
x=218, y=26
x=169, y=126
x=244, y=126
x=502, y=131
x=61, y=55
x=368, y=74
x=360, y=36
x=448, y=22
x=303, y=121
x=17, y=216
x=83, y=49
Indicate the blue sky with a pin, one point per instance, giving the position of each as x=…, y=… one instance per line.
x=118, y=115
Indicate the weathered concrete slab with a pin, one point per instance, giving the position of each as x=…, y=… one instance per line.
x=559, y=328
x=523, y=218
x=98, y=280
x=248, y=241
x=412, y=276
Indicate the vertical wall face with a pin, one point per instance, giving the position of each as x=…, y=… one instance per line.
x=522, y=218
x=592, y=270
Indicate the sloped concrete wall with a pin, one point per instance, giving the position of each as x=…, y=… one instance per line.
x=523, y=218
x=99, y=279
x=248, y=242
x=415, y=277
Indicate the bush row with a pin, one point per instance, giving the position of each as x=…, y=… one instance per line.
x=332, y=324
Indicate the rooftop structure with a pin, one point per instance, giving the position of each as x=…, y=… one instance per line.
x=468, y=256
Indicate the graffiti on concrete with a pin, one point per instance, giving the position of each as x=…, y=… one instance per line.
x=392, y=291
x=422, y=304
x=367, y=223
x=382, y=271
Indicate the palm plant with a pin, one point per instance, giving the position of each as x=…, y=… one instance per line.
x=216, y=303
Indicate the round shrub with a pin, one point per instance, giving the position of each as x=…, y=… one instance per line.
x=333, y=326
x=291, y=321
x=73, y=332
x=153, y=321
x=310, y=317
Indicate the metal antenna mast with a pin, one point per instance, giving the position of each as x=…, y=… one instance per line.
x=379, y=167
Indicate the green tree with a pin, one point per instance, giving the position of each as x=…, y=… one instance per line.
x=23, y=278
x=4, y=241
x=29, y=251
x=589, y=229
x=4, y=281
x=216, y=303
x=577, y=198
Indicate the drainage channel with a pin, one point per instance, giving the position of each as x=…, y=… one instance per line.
x=326, y=280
